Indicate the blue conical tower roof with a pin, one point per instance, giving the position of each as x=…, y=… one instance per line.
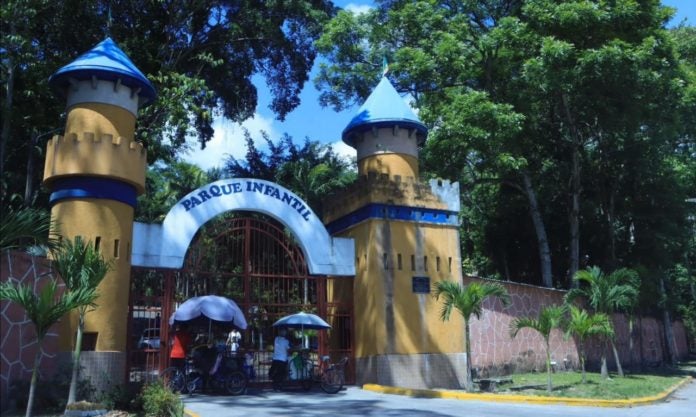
x=383, y=108
x=106, y=61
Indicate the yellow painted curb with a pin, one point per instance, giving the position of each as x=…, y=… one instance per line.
x=190, y=413
x=529, y=399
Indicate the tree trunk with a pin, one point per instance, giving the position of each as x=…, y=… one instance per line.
x=7, y=112
x=582, y=362
x=34, y=378
x=619, y=369
x=549, y=387
x=605, y=370
x=540, y=229
x=667, y=324
x=467, y=341
x=72, y=393
x=611, y=231
x=631, y=347
x=574, y=218
x=575, y=189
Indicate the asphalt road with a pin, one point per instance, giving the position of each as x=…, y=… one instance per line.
x=355, y=402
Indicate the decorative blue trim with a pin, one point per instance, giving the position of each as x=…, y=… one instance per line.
x=91, y=187
x=393, y=212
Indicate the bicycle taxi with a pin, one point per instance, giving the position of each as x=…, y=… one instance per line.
x=304, y=366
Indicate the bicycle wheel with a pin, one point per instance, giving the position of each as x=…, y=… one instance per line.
x=173, y=379
x=332, y=381
x=236, y=383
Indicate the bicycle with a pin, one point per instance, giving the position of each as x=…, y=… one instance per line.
x=330, y=376
x=226, y=378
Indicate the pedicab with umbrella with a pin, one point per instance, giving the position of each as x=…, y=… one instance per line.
x=206, y=311
x=330, y=376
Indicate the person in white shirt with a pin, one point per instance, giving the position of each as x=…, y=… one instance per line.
x=233, y=339
x=279, y=366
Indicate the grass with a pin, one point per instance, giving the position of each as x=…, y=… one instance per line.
x=569, y=384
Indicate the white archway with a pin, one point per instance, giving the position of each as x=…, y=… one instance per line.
x=165, y=245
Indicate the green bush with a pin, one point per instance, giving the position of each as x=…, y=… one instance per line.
x=51, y=394
x=160, y=401
x=126, y=397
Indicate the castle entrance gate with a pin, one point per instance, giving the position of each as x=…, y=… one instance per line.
x=255, y=257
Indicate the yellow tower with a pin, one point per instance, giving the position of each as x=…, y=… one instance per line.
x=95, y=172
x=406, y=238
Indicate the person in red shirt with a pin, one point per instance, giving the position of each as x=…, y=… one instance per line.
x=180, y=344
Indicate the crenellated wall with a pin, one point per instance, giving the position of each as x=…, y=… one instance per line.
x=98, y=155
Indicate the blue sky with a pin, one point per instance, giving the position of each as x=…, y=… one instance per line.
x=310, y=119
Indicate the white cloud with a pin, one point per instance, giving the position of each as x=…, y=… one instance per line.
x=343, y=150
x=358, y=8
x=229, y=140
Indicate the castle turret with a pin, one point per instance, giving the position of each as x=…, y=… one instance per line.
x=95, y=172
x=406, y=236
x=386, y=133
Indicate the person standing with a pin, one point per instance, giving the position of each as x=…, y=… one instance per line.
x=279, y=366
x=180, y=344
x=233, y=339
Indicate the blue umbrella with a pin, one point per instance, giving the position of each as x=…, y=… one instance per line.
x=213, y=307
x=302, y=321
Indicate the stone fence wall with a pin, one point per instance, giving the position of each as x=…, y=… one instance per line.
x=494, y=352
x=18, y=346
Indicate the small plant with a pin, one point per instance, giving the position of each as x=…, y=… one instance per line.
x=160, y=401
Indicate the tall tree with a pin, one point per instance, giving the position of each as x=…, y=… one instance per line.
x=201, y=57
x=549, y=318
x=468, y=301
x=82, y=268
x=608, y=294
x=582, y=326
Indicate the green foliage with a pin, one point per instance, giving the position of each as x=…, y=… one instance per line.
x=313, y=171
x=468, y=300
x=126, y=397
x=615, y=292
x=22, y=228
x=549, y=318
x=51, y=392
x=201, y=57
x=160, y=401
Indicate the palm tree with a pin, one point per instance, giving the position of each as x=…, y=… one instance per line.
x=550, y=317
x=22, y=228
x=468, y=300
x=583, y=325
x=82, y=267
x=44, y=310
x=607, y=294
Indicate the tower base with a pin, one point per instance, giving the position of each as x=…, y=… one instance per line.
x=418, y=371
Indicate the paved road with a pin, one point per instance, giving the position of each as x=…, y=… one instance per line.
x=354, y=402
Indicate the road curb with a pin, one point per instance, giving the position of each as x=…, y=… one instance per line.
x=526, y=399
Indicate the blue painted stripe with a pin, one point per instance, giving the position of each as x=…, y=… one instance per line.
x=91, y=187
x=393, y=212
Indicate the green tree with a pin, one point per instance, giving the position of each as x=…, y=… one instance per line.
x=201, y=57
x=608, y=294
x=583, y=325
x=82, y=269
x=467, y=300
x=549, y=318
x=313, y=170
x=44, y=310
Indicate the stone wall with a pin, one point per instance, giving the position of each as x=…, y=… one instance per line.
x=18, y=345
x=494, y=352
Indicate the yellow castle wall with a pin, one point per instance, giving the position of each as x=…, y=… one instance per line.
x=414, y=325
